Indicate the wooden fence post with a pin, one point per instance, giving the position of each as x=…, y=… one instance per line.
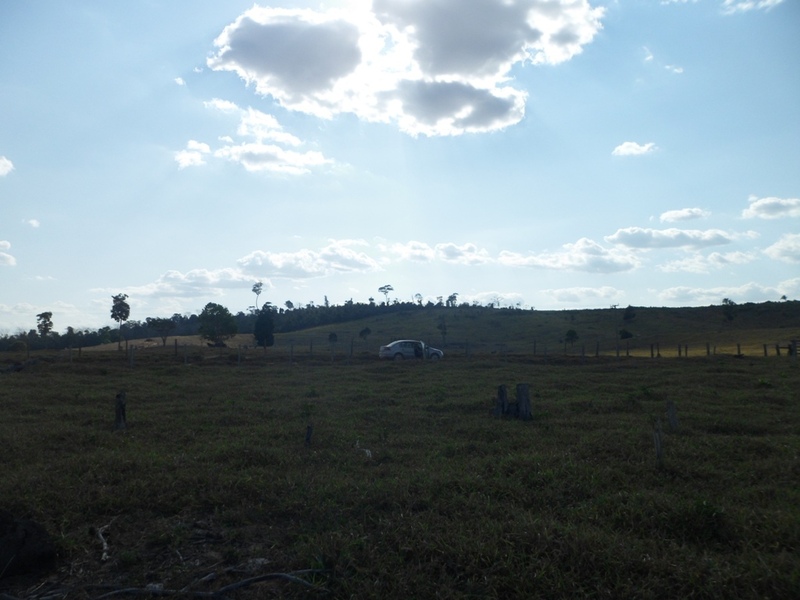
x=524, y=401
x=657, y=440
x=120, y=419
x=501, y=403
x=672, y=415
x=778, y=349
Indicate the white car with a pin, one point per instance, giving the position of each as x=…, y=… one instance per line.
x=402, y=349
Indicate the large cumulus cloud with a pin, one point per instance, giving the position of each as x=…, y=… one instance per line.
x=433, y=67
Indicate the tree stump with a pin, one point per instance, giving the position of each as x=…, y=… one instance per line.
x=120, y=419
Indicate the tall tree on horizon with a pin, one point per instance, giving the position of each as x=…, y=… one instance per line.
x=385, y=289
x=44, y=323
x=120, y=311
x=257, y=287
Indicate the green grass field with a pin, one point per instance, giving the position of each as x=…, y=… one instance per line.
x=410, y=488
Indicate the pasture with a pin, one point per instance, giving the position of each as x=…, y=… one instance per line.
x=409, y=487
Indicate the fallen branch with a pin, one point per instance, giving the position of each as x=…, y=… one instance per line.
x=100, y=532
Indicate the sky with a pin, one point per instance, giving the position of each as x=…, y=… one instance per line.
x=541, y=154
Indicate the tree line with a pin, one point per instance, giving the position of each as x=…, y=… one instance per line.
x=215, y=323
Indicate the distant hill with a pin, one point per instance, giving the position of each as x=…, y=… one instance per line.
x=488, y=330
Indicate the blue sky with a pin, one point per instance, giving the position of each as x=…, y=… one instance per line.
x=569, y=154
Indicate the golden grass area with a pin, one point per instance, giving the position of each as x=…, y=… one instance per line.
x=410, y=488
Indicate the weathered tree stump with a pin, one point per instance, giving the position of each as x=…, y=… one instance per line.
x=501, y=403
x=120, y=419
x=519, y=409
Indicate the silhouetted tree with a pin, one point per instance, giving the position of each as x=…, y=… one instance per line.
x=217, y=324
x=728, y=308
x=120, y=311
x=162, y=326
x=629, y=313
x=385, y=289
x=571, y=337
x=264, y=328
x=44, y=323
x=257, y=287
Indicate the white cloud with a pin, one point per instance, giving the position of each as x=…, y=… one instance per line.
x=634, y=149
x=584, y=255
x=749, y=292
x=465, y=254
x=180, y=81
x=392, y=61
x=704, y=264
x=683, y=214
x=639, y=237
x=771, y=208
x=584, y=295
x=269, y=157
x=33, y=223
x=6, y=260
x=262, y=149
x=339, y=256
x=6, y=166
x=730, y=7
x=192, y=155
x=674, y=69
x=648, y=56
x=786, y=249
x=191, y=283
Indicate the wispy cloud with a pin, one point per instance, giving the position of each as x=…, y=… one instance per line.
x=339, y=256
x=391, y=60
x=771, y=208
x=787, y=248
x=683, y=214
x=749, y=292
x=584, y=295
x=464, y=254
x=584, y=255
x=33, y=223
x=263, y=145
x=634, y=149
x=6, y=166
x=699, y=263
x=641, y=237
x=6, y=260
x=730, y=7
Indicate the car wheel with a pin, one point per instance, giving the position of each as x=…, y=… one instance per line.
x=399, y=356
